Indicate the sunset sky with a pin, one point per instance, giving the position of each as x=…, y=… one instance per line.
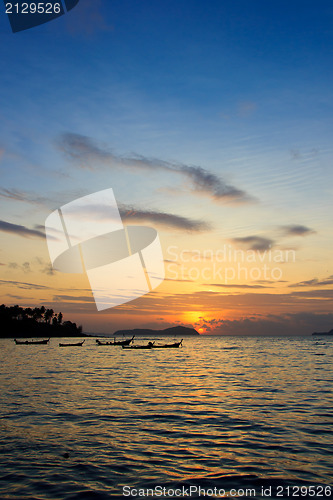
x=212, y=122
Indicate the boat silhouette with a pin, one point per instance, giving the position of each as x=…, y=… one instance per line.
x=31, y=342
x=76, y=344
x=150, y=345
x=116, y=342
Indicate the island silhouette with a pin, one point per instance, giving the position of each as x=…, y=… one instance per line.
x=324, y=333
x=174, y=331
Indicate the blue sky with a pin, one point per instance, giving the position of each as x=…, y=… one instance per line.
x=129, y=95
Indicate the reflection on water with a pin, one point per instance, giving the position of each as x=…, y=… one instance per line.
x=225, y=412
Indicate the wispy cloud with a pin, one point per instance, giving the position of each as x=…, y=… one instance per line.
x=226, y=285
x=36, y=286
x=19, y=230
x=37, y=264
x=297, y=230
x=258, y=243
x=179, y=280
x=314, y=282
x=163, y=219
x=84, y=151
x=70, y=298
x=48, y=269
x=25, y=267
x=24, y=286
x=135, y=214
x=23, y=196
x=320, y=294
x=208, y=183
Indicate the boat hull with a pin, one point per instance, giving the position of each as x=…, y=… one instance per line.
x=78, y=344
x=31, y=342
x=137, y=347
x=167, y=346
x=119, y=342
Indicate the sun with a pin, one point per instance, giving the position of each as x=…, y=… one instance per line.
x=192, y=317
x=197, y=319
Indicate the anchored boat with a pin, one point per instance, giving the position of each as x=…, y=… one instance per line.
x=31, y=342
x=150, y=345
x=77, y=344
x=116, y=342
x=175, y=345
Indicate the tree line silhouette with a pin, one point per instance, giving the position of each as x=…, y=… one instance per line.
x=37, y=322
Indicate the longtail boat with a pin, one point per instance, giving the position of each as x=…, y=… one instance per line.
x=175, y=345
x=150, y=345
x=116, y=342
x=77, y=344
x=31, y=342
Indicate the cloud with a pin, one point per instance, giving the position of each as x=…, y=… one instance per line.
x=297, y=230
x=223, y=285
x=314, y=294
x=25, y=286
x=69, y=298
x=206, y=182
x=42, y=266
x=36, y=286
x=87, y=153
x=313, y=282
x=245, y=302
x=19, y=230
x=16, y=195
x=178, y=280
x=134, y=214
x=25, y=267
x=163, y=219
x=82, y=149
x=254, y=242
x=48, y=269
x=302, y=323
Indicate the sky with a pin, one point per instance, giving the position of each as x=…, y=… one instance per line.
x=211, y=122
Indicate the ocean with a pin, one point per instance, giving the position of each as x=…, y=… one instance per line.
x=220, y=417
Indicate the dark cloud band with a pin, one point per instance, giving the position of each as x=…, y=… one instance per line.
x=8, y=227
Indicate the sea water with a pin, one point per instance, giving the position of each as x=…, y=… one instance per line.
x=221, y=416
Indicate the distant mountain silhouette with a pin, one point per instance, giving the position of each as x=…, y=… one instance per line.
x=175, y=331
x=324, y=333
